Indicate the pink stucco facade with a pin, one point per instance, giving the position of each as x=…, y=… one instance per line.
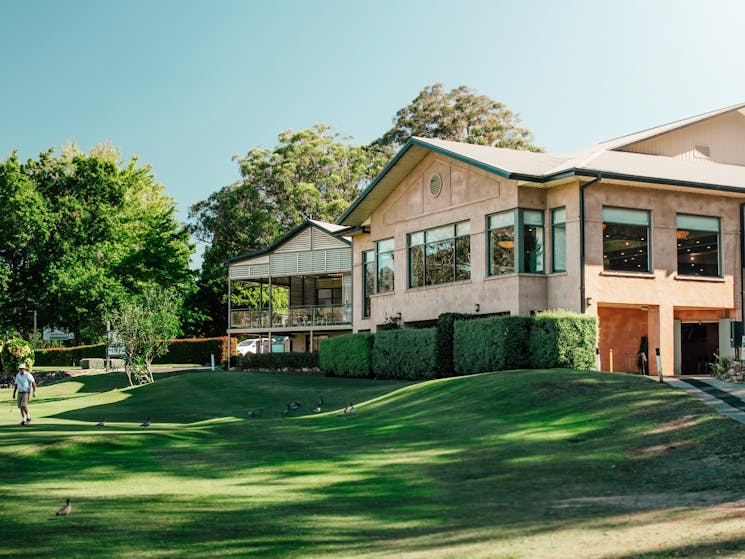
x=683, y=316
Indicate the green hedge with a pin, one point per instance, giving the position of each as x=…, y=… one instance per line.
x=349, y=355
x=405, y=354
x=491, y=344
x=69, y=356
x=445, y=336
x=563, y=339
x=196, y=350
x=277, y=361
x=189, y=350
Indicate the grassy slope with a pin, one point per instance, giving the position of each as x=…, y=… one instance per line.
x=515, y=464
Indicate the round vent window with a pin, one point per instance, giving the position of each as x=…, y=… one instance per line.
x=435, y=185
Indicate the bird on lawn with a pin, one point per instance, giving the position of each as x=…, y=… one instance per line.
x=286, y=410
x=101, y=423
x=294, y=405
x=317, y=409
x=64, y=511
x=349, y=409
x=256, y=414
x=145, y=423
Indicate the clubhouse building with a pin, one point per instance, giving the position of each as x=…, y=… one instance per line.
x=644, y=231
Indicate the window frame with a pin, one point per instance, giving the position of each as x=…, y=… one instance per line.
x=381, y=249
x=519, y=221
x=681, y=228
x=558, y=225
x=368, y=260
x=627, y=217
x=421, y=242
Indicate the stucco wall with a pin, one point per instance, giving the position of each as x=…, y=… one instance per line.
x=471, y=194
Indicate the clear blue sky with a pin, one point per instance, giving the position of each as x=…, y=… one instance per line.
x=186, y=84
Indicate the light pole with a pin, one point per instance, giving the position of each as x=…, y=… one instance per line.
x=33, y=343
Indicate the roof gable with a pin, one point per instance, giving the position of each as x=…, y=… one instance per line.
x=309, y=235
x=623, y=158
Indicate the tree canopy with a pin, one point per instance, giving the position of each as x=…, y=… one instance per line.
x=460, y=115
x=145, y=325
x=79, y=234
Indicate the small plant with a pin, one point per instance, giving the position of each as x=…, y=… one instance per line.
x=14, y=352
x=720, y=366
x=392, y=322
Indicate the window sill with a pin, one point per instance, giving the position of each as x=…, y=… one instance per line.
x=383, y=294
x=638, y=275
x=558, y=274
x=422, y=287
x=521, y=274
x=710, y=279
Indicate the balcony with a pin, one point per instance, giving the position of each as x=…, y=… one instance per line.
x=303, y=318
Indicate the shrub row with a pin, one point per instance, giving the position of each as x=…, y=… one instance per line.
x=491, y=344
x=405, y=354
x=549, y=339
x=193, y=350
x=196, y=350
x=69, y=356
x=277, y=361
x=349, y=356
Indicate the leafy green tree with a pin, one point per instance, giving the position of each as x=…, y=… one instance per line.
x=146, y=324
x=90, y=230
x=460, y=115
x=24, y=219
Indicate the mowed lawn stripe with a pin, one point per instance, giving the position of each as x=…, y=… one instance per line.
x=510, y=464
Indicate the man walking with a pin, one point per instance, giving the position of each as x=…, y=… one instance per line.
x=24, y=384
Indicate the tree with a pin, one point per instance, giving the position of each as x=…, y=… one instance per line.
x=145, y=325
x=460, y=115
x=79, y=234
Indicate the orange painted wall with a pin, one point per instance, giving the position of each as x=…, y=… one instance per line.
x=621, y=330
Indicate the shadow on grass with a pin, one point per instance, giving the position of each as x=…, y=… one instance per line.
x=465, y=461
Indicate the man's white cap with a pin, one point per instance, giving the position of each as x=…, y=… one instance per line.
x=22, y=366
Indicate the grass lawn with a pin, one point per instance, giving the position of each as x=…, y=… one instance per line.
x=539, y=464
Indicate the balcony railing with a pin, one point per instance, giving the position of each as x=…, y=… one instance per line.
x=293, y=317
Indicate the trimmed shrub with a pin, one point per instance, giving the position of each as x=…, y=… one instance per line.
x=349, y=355
x=405, y=354
x=14, y=352
x=69, y=356
x=190, y=350
x=491, y=344
x=444, y=347
x=297, y=360
x=561, y=338
x=197, y=350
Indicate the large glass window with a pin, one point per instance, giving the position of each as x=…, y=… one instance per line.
x=501, y=243
x=626, y=245
x=698, y=245
x=385, y=266
x=440, y=255
x=559, y=240
x=532, y=241
x=505, y=247
x=368, y=280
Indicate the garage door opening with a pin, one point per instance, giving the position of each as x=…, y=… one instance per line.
x=698, y=344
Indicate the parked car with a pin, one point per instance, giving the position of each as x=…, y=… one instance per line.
x=251, y=345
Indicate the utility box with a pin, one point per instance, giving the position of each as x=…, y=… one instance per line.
x=735, y=333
